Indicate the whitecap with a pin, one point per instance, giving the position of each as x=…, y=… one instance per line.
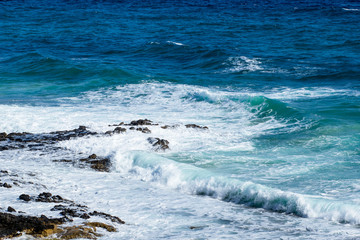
x=175, y=43
x=242, y=63
x=351, y=9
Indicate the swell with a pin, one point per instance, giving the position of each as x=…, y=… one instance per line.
x=29, y=76
x=192, y=180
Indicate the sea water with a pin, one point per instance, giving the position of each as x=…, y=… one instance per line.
x=277, y=83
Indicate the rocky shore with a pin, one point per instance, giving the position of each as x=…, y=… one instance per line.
x=75, y=219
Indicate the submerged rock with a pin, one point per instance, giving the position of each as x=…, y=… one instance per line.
x=3, y=136
x=98, y=164
x=143, y=130
x=5, y=185
x=159, y=144
x=195, y=126
x=168, y=126
x=107, y=216
x=116, y=130
x=119, y=130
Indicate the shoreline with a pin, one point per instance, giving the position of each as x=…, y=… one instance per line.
x=74, y=220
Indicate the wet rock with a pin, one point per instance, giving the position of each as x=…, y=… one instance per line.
x=3, y=148
x=107, y=216
x=116, y=125
x=63, y=160
x=101, y=165
x=25, y=197
x=48, y=197
x=5, y=185
x=119, y=130
x=195, y=126
x=141, y=122
x=197, y=227
x=98, y=164
x=71, y=211
x=78, y=232
x=116, y=130
x=38, y=141
x=11, y=147
x=16, y=184
x=13, y=225
x=143, y=130
x=168, y=126
x=159, y=144
x=109, y=228
x=81, y=128
x=3, y=136
x=10, y=209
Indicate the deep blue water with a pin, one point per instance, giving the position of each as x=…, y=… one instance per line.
x=279, y=80
x=65, y=48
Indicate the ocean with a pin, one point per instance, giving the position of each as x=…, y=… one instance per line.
x=276, y=83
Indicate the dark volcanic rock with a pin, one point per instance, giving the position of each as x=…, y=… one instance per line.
x=116, y=130
x=119, y=130
x=102, y=165
x=5, y=185
x=116, y=125
x=48, y=197
x=141, y=122
x=107, y=216
x=143, y=130
x=36, y=141
x=75, y=210
x=195, y=126
x=12, y=225
x=72, y=211
x=25, y=197
x=10, y=209
x=3, y=136
x=98, y=164
x=168, y=126
x=159, y=144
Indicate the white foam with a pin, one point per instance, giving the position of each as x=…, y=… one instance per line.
x=163, y=199
x=175, y=43
x=286, y=93
x=242, y=63
x=351, y=9
x=223, y=111
x=133, y=159
x=152, y=212
x=193, y=180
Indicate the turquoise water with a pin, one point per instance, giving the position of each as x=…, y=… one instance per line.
x=278, y=85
